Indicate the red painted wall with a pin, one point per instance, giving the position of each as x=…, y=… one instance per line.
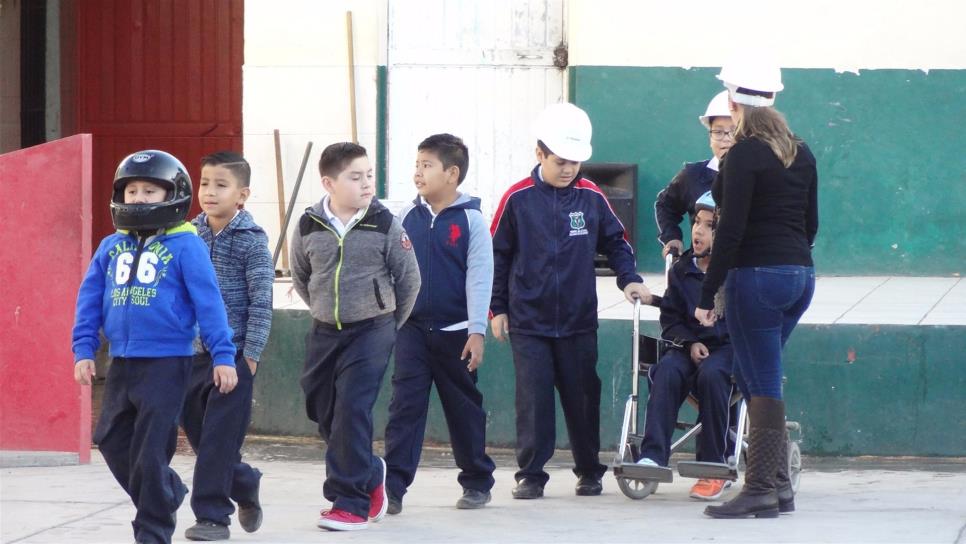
x=155, y=74
x=45, y=203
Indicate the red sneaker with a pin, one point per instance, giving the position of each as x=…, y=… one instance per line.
x=377, y=497
x=340, y=520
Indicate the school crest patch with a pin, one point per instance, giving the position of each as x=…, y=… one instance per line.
x=578, y=226
x=405, y=242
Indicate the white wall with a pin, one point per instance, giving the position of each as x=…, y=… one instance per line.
x=295, y=79
x=842, y=34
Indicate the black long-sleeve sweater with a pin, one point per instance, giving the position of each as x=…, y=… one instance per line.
x=768, y=213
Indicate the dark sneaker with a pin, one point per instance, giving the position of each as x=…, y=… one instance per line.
x=207, y=531
x=473, y=499
x=250, y=513
x=527, y=489
x=588, y=486
x=395, y=504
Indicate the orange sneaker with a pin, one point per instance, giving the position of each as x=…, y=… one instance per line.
x=709, y=490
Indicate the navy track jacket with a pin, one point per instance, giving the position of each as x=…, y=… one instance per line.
x=544, y=243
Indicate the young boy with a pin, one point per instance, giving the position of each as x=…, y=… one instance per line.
x=353, y=264
x=442, y=342
x=695, y=178
x=546, y=232
x=703, y=365
x=148, y=286
x=215, y=423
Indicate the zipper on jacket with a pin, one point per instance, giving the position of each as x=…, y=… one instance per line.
x=556, y=275
x=338, y=270
x=429, y=266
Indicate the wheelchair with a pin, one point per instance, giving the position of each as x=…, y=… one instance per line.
x=638, y=481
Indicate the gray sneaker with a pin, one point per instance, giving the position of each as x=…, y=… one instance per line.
x=207, y=531
x=473, y=499
x=250, y=513
x=395, y=504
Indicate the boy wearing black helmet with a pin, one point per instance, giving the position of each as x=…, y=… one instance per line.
x=148, y=286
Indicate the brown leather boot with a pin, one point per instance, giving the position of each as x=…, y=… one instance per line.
x=766, y=451
x=783, y=485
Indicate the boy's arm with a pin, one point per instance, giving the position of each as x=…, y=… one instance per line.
x=404, y=270
x=674, y=314
x=479, y=273
x=260, y=277
x=612, y=242
x=670, y=207
x=202, y=286
x=503, y=231
x=88, y=317
x=301, y=266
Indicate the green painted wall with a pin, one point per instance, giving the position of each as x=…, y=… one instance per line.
x=892, y=171
x=902, y=395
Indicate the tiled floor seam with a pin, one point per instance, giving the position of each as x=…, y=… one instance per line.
x=856, y=305
x=933, y=307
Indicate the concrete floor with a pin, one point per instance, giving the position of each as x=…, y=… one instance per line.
x=841, y=500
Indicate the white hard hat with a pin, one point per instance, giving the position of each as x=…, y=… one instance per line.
x=755, y=77
x=566, y=130
x=718, y=107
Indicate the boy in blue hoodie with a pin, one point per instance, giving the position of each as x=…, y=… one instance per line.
x=546, y=232
x=149, y=286
x=215, y=423
x=442, y=342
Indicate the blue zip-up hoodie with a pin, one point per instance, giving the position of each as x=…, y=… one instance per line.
x=455, y=256
x=544, y=243
x=680, y=299
x=245, y=274
x=155, y=313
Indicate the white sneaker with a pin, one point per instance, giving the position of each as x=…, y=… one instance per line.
x=648, y=462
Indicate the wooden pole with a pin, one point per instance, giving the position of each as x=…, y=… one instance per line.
x=280, y=187
x=352, y=77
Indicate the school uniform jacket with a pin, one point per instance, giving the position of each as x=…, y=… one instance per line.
x=455, y=255
x=544, y=243
x=680, y=300
x=678, y=198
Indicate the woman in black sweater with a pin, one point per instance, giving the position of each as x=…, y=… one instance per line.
x=768, y=216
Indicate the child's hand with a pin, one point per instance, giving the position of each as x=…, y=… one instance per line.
x=699, y=352
x=473, y=350
x=675, y=245
x=252, y=365
x=705, y=317
x=501, y=327
x=84, y=371
x=226, y=378
x=637, y=291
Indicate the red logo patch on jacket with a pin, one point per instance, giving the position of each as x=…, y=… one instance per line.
x=405, y=242
x=454, y=235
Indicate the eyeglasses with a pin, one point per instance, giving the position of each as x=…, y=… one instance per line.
x=718, y=135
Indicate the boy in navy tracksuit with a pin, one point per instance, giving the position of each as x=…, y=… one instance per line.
x=215, y=423
x=442, y=342
x=148, y=286
x=546, y=232
x=703, y=365
x=354, y=266
x=695, y=178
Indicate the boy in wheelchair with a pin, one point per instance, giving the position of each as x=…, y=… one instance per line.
x=699, y=361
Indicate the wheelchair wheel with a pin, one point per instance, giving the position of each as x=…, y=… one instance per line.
x=636, y=489
x=794, y=464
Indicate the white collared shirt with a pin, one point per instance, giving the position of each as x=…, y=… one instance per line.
x=336, y=223
x=713, y=163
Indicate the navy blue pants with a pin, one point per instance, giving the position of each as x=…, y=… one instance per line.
x=423, y=358
x=763, y=305
x=671, y=380
x=215, y=425
x=570, y=365
x=341, y=379
x=137, y=433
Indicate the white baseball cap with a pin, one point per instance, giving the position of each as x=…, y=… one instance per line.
x=566, y=130
x=718, y=107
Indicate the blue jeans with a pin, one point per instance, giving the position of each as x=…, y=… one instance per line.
x=762, y=306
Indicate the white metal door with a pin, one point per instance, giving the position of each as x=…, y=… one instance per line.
x=479, y=69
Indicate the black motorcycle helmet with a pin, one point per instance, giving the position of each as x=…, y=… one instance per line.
x=157, y=167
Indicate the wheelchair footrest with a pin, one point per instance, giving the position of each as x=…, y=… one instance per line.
x=634, y=471
x=698, y=469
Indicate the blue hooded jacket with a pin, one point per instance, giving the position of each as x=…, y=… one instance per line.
x=154, y=313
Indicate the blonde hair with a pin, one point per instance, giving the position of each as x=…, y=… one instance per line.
x=769, y=125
